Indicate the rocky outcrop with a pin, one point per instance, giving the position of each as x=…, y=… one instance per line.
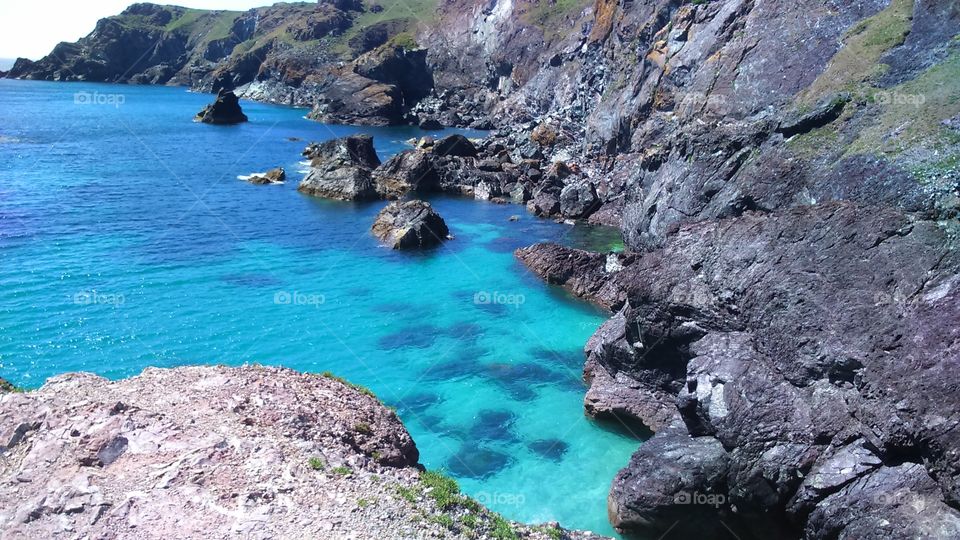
x=341, y=169
x=805, y=355
x=375, y=89
x=216, y=452
x=273, y=176
x=410, y=225
x=225, y=110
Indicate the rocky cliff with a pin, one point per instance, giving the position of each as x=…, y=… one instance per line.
x=786, y=176
x=358, y=62
x=216, y=452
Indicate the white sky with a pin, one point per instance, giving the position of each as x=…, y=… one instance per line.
x=31, y=28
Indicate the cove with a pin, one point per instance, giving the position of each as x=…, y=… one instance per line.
x=127, y=241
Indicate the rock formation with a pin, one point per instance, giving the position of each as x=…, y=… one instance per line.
x=225, y=110
x=341, y=169
x=273, y=176
x=786, y=179
x=214, y=452
x=410, y=225
x=787, y=361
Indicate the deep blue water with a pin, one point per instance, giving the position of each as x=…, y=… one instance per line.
x=127, y=241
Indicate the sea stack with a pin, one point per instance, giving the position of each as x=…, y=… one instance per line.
x=224, y=111
x=341, y=169
x=410, y=225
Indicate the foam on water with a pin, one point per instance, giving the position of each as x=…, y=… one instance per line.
x=126, y=242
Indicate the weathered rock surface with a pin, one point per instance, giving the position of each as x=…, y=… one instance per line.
x=225, y=110
x=410, y=225
x=273, y=176
x=341, y=169
x=812, y=351
x=214, y=452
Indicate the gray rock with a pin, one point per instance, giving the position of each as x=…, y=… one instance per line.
x=410, y=225
x=225, y=110
x=579, y=199
x=273, y=176
x=342, y=169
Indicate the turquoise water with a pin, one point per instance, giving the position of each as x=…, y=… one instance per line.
x=127, y=241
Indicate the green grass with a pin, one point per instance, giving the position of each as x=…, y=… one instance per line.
x=408, y=494
x=189, y=17
x=407, y=13
x=441, y=488
x=363, y=428
x=555, y=533
x=545, y=13
x=469, y=521
x=364, y=502
x=7, y=387
x=362, y=389
x=502, y=530
x=914, y=111
x=858, y=61
x=317, y=464
x=443, y=520
x=341, y=470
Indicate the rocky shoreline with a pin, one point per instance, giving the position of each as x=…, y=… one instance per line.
x=218, y=452
x=785, y=177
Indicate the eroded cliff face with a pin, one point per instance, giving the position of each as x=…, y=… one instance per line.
x=786, y=317
x=785, y=175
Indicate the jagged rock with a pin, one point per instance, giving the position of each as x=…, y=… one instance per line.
x=273, y=176
x=407, y=172
x=455, y=145
x=410, y=225
x=544, y=204
x=823, y=114
x=579, y=199
x=786, y=339
x=375, y=88
x=544, y=135
x=431, y=124
x=225, y=110
x=342, y=169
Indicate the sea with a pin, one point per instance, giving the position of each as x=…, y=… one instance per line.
x=127, y=240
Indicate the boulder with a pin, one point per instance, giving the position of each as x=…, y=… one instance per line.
x=273, y=176
x=342, y=169
x=225, y=110
x=544, y=204
x=455, y=145
x=410, y=225
x=406, y=172
x=579, y=199
x=432, y=124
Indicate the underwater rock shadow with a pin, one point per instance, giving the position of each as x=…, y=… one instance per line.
x=411, y=337
x=478, y=462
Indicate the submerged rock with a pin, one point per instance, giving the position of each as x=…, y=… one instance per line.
x=273, y=176
x=225, y=110
x=410, y=225
x=341, y=169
